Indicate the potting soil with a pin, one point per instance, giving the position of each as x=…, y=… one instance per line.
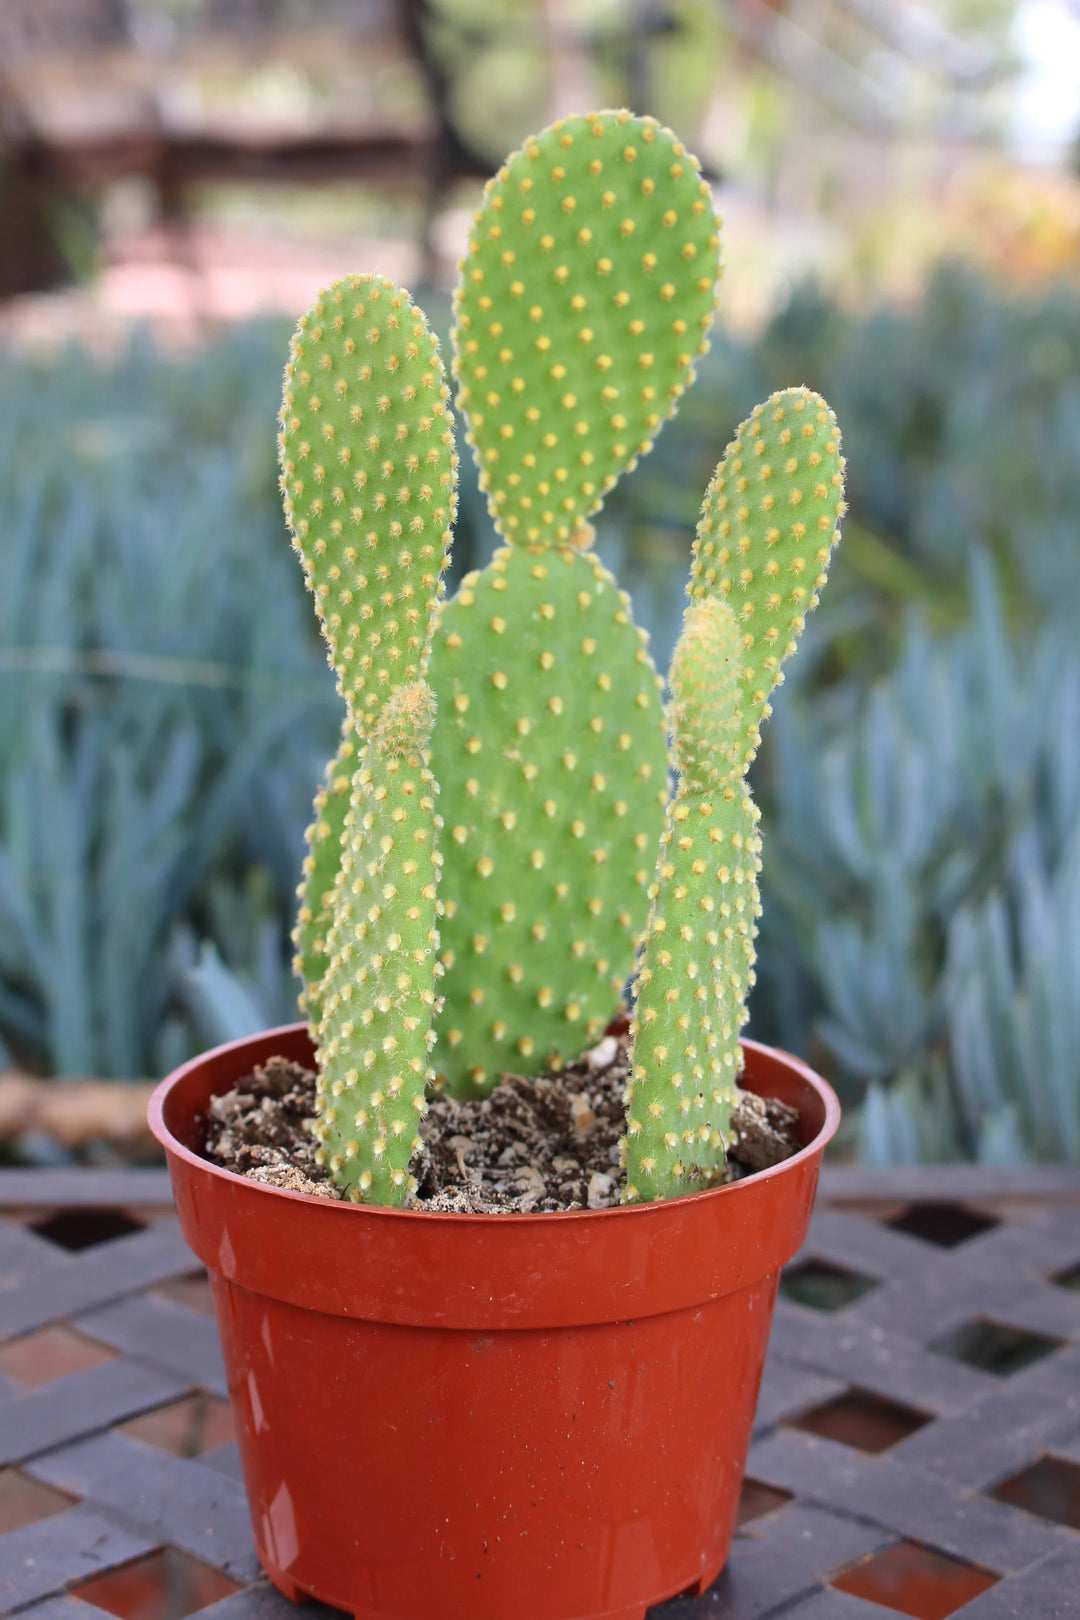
x=532, y=1144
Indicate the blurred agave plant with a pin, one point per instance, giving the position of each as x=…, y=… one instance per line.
x=139, y=756
x=927, y=871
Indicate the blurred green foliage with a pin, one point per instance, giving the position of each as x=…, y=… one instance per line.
x=166, y=704
x=167, y=709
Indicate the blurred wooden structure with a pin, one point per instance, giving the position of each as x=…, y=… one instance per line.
x=76, y=1113
x=85, y=102
x=94, y=92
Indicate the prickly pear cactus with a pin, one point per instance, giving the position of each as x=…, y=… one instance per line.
x=584, y=300
x=766, y=534
x=496, y=829
x=369, y=480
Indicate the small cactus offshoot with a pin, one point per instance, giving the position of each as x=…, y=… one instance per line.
x=698, y=957
x=496, y=849
x=378, y=993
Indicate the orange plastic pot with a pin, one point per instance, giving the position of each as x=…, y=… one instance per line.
x=490, y=1417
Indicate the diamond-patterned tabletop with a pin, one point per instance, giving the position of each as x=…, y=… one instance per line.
x=917, y=1448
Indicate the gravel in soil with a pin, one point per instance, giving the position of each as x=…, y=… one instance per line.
x=543, y=1143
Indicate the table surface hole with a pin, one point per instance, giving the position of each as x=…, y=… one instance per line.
x=76, y=1229
x=192, y=1292
x=858, y=1418
x=1049, y=1487
x=163, y=1585
x=52, y=1352
x=994, y=1347
x=185, y=1428
x=757, y=1500
x=915, y=1580
x=824, y=1286
x=24, y=1500
x=944, y=1224
x=1069, y=1278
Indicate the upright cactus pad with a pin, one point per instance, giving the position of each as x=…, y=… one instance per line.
x=585, y=297
x=697, y=964
x=767, y=530
x=550, y=749
x=369, y=479
x=378, y=995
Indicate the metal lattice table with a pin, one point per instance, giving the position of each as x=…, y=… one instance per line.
x=917, y=1441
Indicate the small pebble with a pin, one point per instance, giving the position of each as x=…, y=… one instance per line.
x=603, y=1055
x=601, y=1188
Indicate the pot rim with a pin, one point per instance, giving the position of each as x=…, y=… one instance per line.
x=174, y=1147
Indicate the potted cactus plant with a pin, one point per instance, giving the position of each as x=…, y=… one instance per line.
x=542, y=1415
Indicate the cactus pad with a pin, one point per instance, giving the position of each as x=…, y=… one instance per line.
x=369, y=479
x=549, y=747
x=378, y=992
x=767, y=530
x=584, y=300
x=369, y=483
x=697, y=964
x=585, y=297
